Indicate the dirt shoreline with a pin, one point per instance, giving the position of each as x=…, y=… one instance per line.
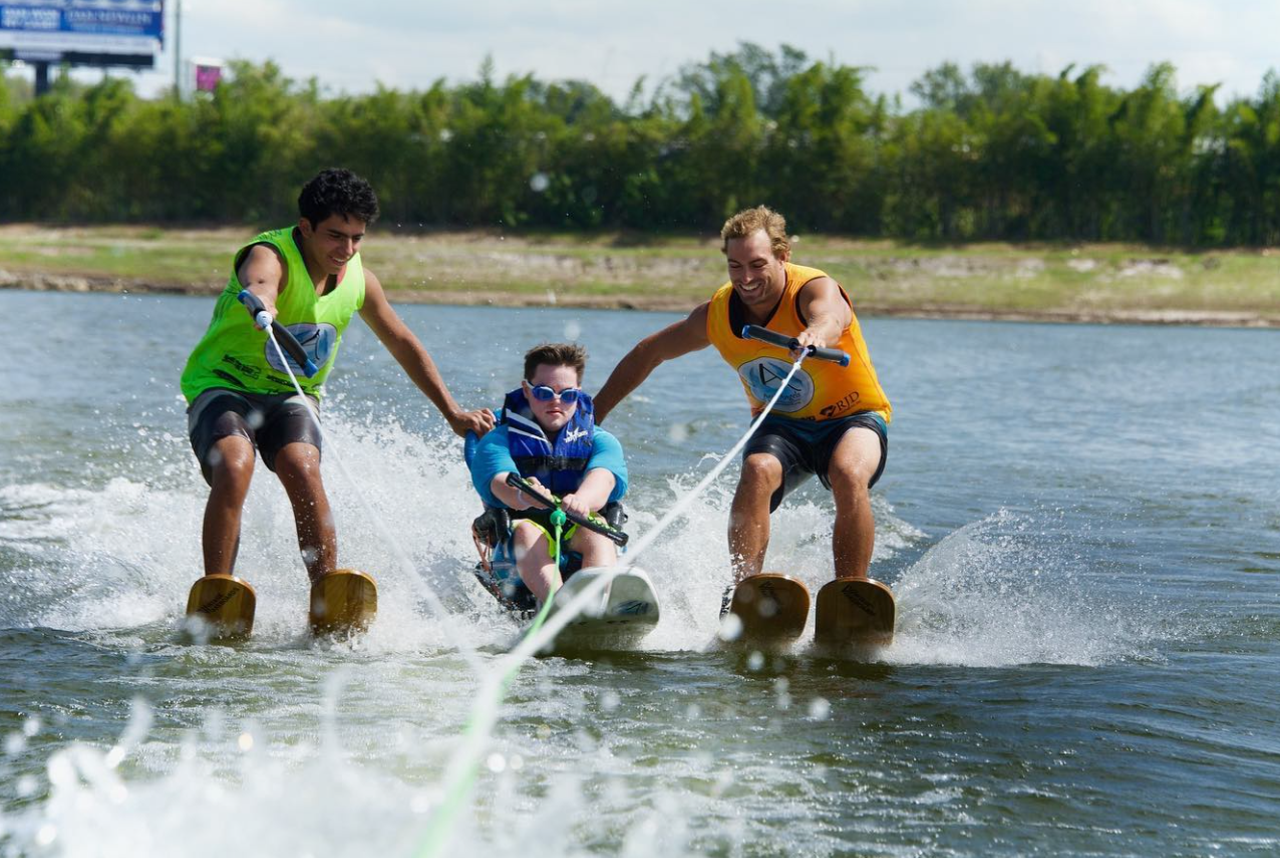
x=46, y=282
x=1082, y=283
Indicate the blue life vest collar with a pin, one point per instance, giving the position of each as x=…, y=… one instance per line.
x=560, y=466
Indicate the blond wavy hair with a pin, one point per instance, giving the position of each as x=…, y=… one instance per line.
x=747, y=221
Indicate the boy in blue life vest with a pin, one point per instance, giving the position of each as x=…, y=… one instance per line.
x=546, y=433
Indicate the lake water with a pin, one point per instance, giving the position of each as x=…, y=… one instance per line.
x=1082, y=525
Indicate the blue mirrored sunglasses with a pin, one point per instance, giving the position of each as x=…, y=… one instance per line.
x=543, y=393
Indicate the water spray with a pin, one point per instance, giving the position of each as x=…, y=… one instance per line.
x=278, y=333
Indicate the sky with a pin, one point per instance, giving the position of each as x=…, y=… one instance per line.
x=351, y=47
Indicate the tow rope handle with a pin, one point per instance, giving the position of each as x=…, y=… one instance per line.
x=617, y=537
x=284, y=336
x=773, y=338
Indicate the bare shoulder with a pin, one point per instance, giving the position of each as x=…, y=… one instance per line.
x=262, y=252
x=262, y=267
x=261, y=257
x=823, y=292
x=695, y=324
x=819, y=286
x=374, y=296
x=378, y=312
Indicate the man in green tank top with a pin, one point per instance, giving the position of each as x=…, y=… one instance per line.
x=311, y=280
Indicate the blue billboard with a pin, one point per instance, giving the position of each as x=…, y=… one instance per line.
x=82, y=26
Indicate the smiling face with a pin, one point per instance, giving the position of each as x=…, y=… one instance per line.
x=553, y=415
x=758, y=277
x=331, y=243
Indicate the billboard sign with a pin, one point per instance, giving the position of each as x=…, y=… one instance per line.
x=50, y=28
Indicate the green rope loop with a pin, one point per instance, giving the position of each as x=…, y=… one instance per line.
x=558, y=518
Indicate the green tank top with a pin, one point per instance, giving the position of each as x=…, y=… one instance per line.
x=235, y=355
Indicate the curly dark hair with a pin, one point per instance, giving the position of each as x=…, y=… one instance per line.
x=340, y=192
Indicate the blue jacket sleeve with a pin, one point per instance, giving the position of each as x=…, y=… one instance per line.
x=606, y=452
x=492, y=458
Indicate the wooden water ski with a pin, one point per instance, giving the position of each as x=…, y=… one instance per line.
x=220, y=607
x=624, y=612
x=773, y=607
x=855, y=612
x=345, y=600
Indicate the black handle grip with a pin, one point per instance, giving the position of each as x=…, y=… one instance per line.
x=284, y=337
x=773, y=338
x=616, y=536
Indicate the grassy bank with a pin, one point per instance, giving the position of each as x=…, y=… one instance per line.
x=1085, y=282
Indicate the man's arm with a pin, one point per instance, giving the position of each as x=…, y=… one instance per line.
x=823, y=304
x=261, y=271
x=417, y=363
x=687, y=335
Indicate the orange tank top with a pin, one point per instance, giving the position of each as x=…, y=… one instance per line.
x=819, y=390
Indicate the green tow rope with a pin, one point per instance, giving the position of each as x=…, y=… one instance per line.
x=438, y=831
x=558, y=518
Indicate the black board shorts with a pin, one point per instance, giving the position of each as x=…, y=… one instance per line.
x=268, y=421
x=804, y=447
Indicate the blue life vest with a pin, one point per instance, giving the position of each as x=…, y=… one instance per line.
x=559, y=466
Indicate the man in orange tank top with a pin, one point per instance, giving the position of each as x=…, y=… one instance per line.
x=831, y=421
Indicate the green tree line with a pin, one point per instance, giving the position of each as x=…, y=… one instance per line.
x=994, y=154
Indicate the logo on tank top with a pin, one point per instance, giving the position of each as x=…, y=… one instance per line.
x=316, y=340
x=763, y=376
